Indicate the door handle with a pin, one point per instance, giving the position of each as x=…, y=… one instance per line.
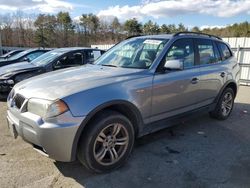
x=194, y=80
x=223, y=74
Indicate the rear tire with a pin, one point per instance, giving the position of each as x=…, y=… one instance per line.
x=107, y=142
x=224, y=106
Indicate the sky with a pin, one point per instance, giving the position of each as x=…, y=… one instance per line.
x=201, y=13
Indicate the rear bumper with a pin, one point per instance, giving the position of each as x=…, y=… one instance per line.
x=55, y=136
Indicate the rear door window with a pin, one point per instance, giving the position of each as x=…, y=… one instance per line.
x=69, y=60
x=207, y=53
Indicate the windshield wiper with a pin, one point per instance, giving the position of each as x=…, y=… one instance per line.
x=108, y=65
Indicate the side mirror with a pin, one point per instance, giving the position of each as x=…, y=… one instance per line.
x=175, y=64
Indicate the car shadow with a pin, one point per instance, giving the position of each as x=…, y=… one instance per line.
x=198, y=152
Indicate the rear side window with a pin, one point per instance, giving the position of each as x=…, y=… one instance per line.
x=207, y=52
x=225, y=52
x=96, y=54
x=92, y=55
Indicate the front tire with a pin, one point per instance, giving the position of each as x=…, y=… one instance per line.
x=225, y=105
x=107, y=142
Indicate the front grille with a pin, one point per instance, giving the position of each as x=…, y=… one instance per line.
x=19, y=100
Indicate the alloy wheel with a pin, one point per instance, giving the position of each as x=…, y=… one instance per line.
x=111, y=144
x=227, y=104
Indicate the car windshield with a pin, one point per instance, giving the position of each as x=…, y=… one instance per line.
x=46, y=58
x=137, y=53
x=16, y=56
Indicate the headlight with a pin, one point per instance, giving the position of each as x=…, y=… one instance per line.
x=9, y=82
x=46, y=108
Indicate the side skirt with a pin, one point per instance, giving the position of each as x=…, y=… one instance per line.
x=171, y=121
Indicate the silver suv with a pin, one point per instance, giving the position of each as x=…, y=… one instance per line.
x=95, y=112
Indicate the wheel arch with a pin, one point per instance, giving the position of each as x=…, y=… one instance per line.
x=230, y=83
x=124, y=107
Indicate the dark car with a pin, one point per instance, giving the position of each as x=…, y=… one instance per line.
x=27, y=55
x=9, y=54
x=50, y=61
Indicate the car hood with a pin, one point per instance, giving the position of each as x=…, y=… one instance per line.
x=16, y=68
x=59, y=84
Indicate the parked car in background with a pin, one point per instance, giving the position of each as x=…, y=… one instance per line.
x=27, y=55
x=139, y=86
x=9, y=54
x=53, y=60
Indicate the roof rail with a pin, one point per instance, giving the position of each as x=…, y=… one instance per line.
x=196, y=33
x=132, y=36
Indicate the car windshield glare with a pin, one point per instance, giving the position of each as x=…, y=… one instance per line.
x=16, y=56
x=138, y=53
x=46, y=58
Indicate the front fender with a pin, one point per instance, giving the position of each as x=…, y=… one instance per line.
x=98, y=109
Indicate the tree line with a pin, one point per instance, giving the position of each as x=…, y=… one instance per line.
x=60, y=30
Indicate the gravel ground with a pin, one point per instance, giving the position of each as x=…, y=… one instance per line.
x=200, y=152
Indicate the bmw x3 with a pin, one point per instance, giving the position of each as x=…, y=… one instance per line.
x=95, y=112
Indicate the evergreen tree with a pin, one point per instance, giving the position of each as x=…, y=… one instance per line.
x=133, y=27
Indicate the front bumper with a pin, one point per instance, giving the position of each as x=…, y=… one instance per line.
x=55, y=136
